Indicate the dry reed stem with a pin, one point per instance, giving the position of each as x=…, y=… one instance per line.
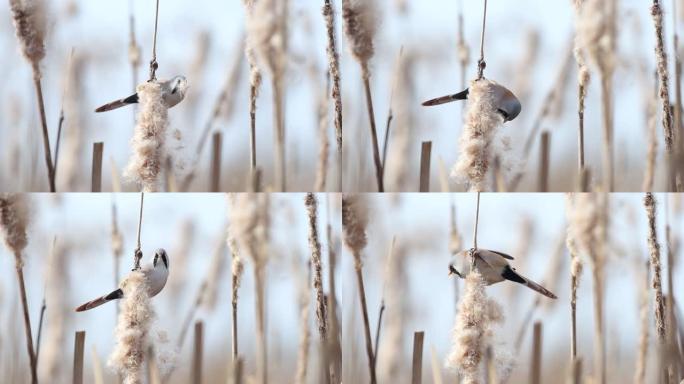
x=132, y=330
x=354, y=223
x=334, y=72
x=198, y=352
x=148, y=143
x=644, y=318
x=311, y=205
x=654, y=251
x=536, y=354
x=254, y=84
x=303, y=301
x=425, y=150
x=79, y=344
x=98, y=374
x=652, y=148
x=334, y=341
x=544, y=162
x=13, y=222
x=324, y=146
x=583, y=78
x=417, y=362
x=477, y=149
x=237, y=269
x=436, y=370
x=215, y=170
x=96, y=170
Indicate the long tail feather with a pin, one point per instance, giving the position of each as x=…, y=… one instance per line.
x=100, y=300
x=510, y=274
x=447, y=99
x=118, y=103
x=532, y=285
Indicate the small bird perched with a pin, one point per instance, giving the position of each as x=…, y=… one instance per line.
x=494, y=268
x=173, y=92
x=155, y=277
x=505, y=101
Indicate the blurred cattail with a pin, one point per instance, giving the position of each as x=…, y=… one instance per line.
x=214, y=276
x=472, y=329
x=663, y=74
x=455, y=239
x=132, y=330
x=324, y=146
x=575, y=228
x=354, y=223
x=583, y=77
x=477, y=146
x=334, y=73
x=654, y=251
x=52, y=363
x=249, y=225
x=13, y=222
x=652, y=139
x=72, y=150
x=30, y=24
x=360, y=27
x=645, y=320
x=587, y=227
x=237, y=269
x=149, y=151
x=303, y=301
x=181, y=252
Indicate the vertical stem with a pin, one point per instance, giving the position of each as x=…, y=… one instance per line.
x=573, y=321
x=417, y=371
x=153, y=63
x=96, y=172
x=544, y=162
x=27, y=322
x=252, y=129
x=43, y=121
x=425, y=150
x=580, y=134
x=262, y=373
x=366, y=323
x=197, y=355
x=477, y=221
x=79, y=342
x=607, y=107
x=481, y=64
x=536, y=354
x=138, y=251
x=237, y=371
x=216, y=141
x=234, y=340
x=279, y=124
x=373, y=131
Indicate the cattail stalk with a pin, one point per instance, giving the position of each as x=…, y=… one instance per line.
x=304, y=300
x=354, y=223
x=663, y=74
x=30, y=24
x=644, y=308
x=237, y=268
x=334, y=72
x=360, y=27
x=334, y=340
x=322, y=166
x=13, y=222
x=654, y=251
x=148, y=143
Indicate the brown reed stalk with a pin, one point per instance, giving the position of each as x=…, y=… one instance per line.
x=198, y=353
x=236, y=275
x=354, y=223
x=652, y=147
x=96, y=170
x=79, y=344
x=334, y=72
x=417, y=362
x=425, y=150
x=360, y=27
x=544, y=162
x=311, y=205
x=303, y=302
x=13, y=222
x=583, y=78
x=324, y=146
x=215, y=178
x=654, y=251
x=536, y=354
x=30, y=24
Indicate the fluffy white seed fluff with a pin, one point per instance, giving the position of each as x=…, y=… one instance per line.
x=132, y=330
x=148, y=143
x=477, y=141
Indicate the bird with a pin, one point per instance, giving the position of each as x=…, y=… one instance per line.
x=173, y=92
x=155, y=276
x=494, y=268
x=506, y=103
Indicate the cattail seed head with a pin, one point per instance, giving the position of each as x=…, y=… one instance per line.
x=360, y=27
x=354, y=222
x=477, y=142
x=13, y=222
x=149, y=150
x=30, y=24
x=132, y=330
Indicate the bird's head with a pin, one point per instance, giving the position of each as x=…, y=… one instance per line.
x=179, y=84
x=160, y=255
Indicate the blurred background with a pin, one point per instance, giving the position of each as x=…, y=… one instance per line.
x=193, y=229
x=420, y=296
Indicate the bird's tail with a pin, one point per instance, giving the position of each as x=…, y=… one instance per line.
x=132, y=99
x=510, y=274
x=100, y=300
x=447, y=99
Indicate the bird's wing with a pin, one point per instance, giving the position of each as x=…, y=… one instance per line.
x=132, y=99
x=117, y=294
x=510, y=274
x=506, y=256
x=493, y=259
